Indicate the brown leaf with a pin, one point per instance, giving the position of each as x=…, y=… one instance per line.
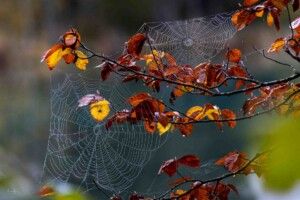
x=296, y=5
x=107, y=68
x=135, y=44
x=119, y=117
x=233, y=161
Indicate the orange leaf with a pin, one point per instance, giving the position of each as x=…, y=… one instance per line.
x=248, y=3
x=46, y=191
x=270, y=19
x=54, y=55
x=234, y=55
x=135, y=44
x=277, y=45
x=242, y=18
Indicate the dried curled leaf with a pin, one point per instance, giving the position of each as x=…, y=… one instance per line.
x=135, y=44
x=88, y=99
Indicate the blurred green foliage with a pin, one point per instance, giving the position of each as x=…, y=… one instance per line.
x=283, y=165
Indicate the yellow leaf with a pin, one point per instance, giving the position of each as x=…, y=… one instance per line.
x=277, y=45
x=259, y=12
x=270, y=19
x=212, y=112
x=82, y=60
x=179, y=192
x=195, y=112
x=100, y=110
x=163, y=129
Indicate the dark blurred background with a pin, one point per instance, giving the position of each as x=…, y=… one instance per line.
x=29, y=27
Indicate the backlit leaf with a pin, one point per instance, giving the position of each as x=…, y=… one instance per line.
x=250, y=2
x=277, y=45
x=81, y=60
x=100, y=110
x=135, y=44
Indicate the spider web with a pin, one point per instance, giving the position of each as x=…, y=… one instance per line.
x=191, y=41
x=82, y=151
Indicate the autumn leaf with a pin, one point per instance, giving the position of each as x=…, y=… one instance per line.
x=270, y=19
x=135, y=44
x=195, y=112
x=46, y=191
x=296, y=24
x=227, y=115
x=190, y=161
x=242, y=18
x=81, y=61
x=100, y=110
x=169, y=167
x=138, y=98
x=234, y=55
x=119, y=117
x=53, y=55
x=163, y=129
x=248, y=3
x=71, y=39
x=233, y=161
x=296, y=5
x=88, y=99
x=277, y=45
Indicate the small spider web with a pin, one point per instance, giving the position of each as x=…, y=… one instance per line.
x=191, y=41
x=82, y=151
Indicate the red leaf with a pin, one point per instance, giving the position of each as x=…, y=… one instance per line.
x=169, y=167
x=189, y=160
x=248, y=3
x=107, y=68
x=233, y=161
x=135, y=44
x=229, y=114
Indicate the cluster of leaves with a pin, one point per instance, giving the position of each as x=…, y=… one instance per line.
x=206, y=78
x=291, y=43
x=66, y=49
x=236, y=163
x=252, y=10
x=157, y=117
